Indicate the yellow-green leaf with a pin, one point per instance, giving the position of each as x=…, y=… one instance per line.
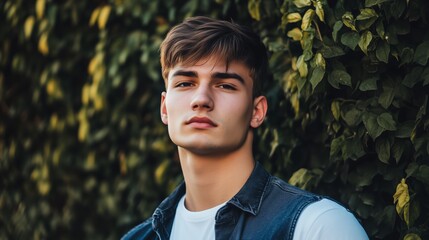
x=335, y=109
x=90, y=161
x=320, y=61
x=43, y=186
x=402, y=200
x=83, y=126
x=28, y=26
x=302, y=3
x=302, y=66
x=85, y=94
x=161, y=171
x=295, y=34
x=98, y=102
x=293, y=17
x=104, y=16
x=412, y=236
x=294, y=100
x=306, y=20
x=94, y=16
x=367, y=13
x=43, y=44
x=253, y=7
x=349, y=20
x=299, y=177
x=365, y=40
x=319, y=10
x=40, y=8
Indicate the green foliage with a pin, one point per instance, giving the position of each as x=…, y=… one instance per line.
x=83, y=153
x=368, y=108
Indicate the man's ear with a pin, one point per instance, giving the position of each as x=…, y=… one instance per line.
x=260, y=106
x=163, y=109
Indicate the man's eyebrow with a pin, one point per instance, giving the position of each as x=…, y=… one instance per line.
x=224, y=75
x=185, y=73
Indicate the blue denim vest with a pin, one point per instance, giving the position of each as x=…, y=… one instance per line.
x=265, y=208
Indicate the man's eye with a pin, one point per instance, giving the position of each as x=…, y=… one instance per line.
x=184, y=84
x=227, y=86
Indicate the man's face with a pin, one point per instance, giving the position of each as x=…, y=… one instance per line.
x=208, y=107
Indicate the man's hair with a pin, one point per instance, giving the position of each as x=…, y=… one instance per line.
x=201, y=37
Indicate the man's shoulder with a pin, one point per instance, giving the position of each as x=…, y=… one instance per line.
x=142, y=231
x=327, y=219
x=280, y=185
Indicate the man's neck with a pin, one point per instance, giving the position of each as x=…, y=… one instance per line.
x=213, y=180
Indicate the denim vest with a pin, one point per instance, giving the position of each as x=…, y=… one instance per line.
x=265, y=208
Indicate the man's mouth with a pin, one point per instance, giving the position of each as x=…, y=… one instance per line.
x=201, y=122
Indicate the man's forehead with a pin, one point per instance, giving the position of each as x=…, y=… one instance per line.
x=214, y=63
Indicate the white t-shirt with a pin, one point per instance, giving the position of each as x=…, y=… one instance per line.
x=321, y=220
x=194, y=225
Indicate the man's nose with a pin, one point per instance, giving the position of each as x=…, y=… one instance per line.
x=202, y=99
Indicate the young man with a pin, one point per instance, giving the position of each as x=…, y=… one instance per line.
x=213, y=72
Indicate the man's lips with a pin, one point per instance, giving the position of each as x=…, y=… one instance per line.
x=201, y=122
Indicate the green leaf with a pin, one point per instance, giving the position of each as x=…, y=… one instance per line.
x=317, y=76
x=352, y=117
x=406, y=55
x=404, y=130
x=353, y=149
x=370, y=3
x=371, y=124
x=331, y=51
x=397, y=8
x=337, y=27
x=422, y=53
x=413, y=77
x=350, y=39
x=380, y=29
x=382, y=51
x=336, y=146
x=386, y=121
x=389, y=92
x=366, y=18
x=422, y=174
x=363, y=175
x=300, y=82
x=365, y=40
x=397, y=151
x=402, y=27
x=339, y=77
x=369, y=84
x=425, y=76
x=382, y=147
x=411, y=169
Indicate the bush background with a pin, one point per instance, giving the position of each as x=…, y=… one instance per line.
x=84, y=155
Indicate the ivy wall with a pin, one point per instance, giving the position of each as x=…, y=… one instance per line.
x=84, y=155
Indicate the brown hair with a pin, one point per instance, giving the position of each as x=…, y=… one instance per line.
x=200, y=37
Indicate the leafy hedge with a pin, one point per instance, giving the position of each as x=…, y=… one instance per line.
x=83, y=153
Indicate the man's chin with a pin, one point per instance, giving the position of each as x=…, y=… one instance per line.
x=206, y=150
